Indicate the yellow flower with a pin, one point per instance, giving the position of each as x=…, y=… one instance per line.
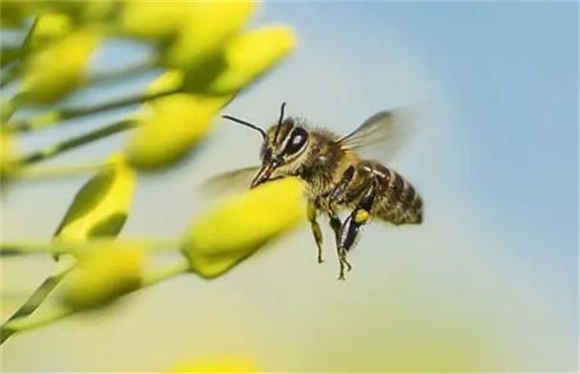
x=221, y=365
x=60, y=68
x=100, y=10
x=208, y=26
x=235, y=230
x=101, y=207
x=153, y=20
x=50, y=27
x=250, y=54
x=7, y=153
x=170, y=126
x=170, y=80
x=13, y=13
x=105, y=271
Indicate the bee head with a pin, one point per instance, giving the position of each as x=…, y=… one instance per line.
x=283, y=144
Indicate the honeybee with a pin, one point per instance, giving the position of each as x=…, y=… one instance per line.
x=336, y=176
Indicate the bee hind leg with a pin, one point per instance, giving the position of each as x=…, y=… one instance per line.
x=351, y=226
x=312, y=212
x=336, y=226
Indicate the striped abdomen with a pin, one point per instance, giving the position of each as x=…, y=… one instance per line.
x=396, y=201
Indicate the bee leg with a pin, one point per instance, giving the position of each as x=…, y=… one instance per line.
x=336, y=195
x=336, y=227
x=351, y=226
x=312, y=212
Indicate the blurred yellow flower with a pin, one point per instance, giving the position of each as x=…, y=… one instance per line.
x=60, y=68
x=13, y=13
x=208, y=25
x=153, y=20
x=250, y=54
x=105, y=271
x=170, y=80
x=7, y=153
x=221, y=365
x=99, y=10
x=101, y=207
x=49, y=27
x=233, y=231
x=170, y=126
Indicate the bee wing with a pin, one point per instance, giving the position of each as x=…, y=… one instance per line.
x=382, y=134
x=230, y=182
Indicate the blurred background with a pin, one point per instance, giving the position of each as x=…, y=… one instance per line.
x=488, y=282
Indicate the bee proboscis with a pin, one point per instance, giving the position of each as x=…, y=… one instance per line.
x=337, y=177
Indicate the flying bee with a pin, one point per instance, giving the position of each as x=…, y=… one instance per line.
x=336, y=175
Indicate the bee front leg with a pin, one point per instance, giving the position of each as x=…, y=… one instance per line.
x=312, y=212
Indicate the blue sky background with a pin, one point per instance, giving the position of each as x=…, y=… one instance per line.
x=495, y=159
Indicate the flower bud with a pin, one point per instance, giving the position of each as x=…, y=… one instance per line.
x=60, y=68
x=170, y=80
x=170, y=126
x=209, y=25
x=13, y=13
x=7, y=153
x=49, y=27
x=104, y=272
x=101, y=206
x=220, y=365
x=244, y=223
x=153, y=20
x=249, y=55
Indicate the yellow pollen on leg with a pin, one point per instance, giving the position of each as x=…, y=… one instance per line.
x=361, y=216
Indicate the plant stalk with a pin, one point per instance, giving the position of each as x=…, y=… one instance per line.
x=56, y=149
x=47, y=119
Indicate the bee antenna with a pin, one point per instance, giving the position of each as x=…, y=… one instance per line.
x=242, y=122
x=280, y=121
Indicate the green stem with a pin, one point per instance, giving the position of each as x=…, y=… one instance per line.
x=35, y=248
x=29, y=322
x=89, y=137
x=26, y=42
x=29, y=248
x=169, y=272
x=12, y=73
x=35, y=173
x=33, y=302
x=33, y=321
x=49, y=118
x=12, y=249
x=8, y=107
x=123, y=73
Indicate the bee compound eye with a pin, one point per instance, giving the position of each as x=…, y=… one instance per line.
x=297, y=141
